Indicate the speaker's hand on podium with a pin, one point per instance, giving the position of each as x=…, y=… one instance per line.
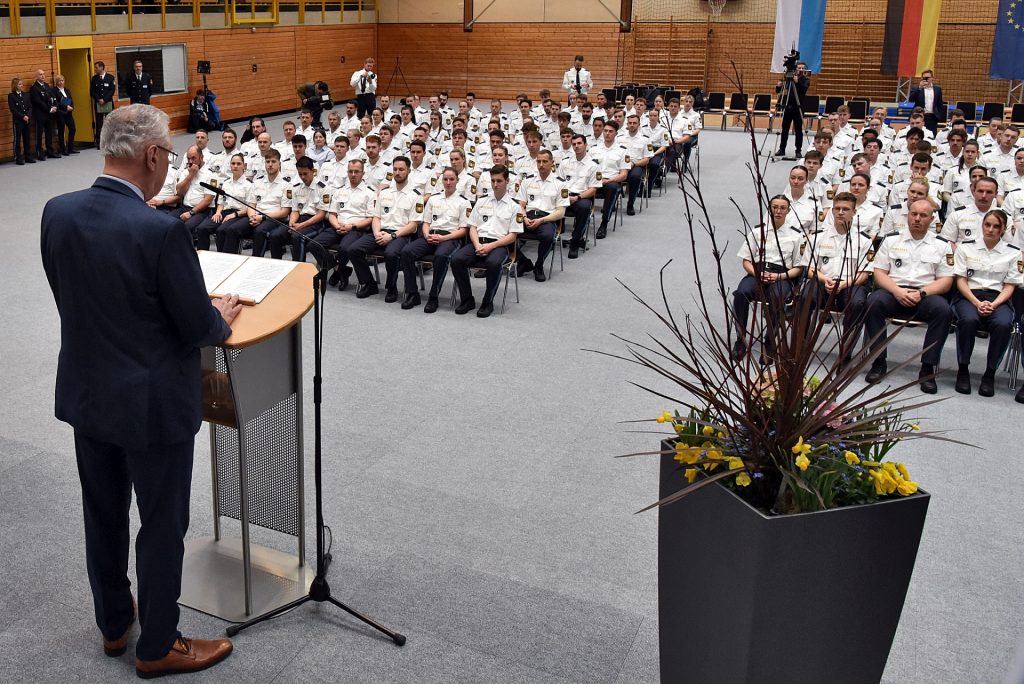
x=228, y=307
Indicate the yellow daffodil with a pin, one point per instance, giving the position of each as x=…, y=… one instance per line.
x=903, y=471
x=721, y=435
x=743, y=480
x=876, y=478
x=802, y=462
x=735, y=463
x=915, y=426
x=851, y=458
x=687, y=454
x=870, y=464
x=665, y=417
x=680, y=429
x=713, y=455
x=707, y=430
x=691, y=475
x=801, y=447
x=906, y=487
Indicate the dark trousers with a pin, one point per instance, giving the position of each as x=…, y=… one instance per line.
x=272, y=235
x=162, y=478
x=968, y=320
x=420, y=248
x=544, y=234
x=851, y=302
x=65, y=120
x=231, y=233
x=347, y=242
x=792, y=117
x=580, y=211
x=634, y=179
x=610, y=194
x=193, y=221
x=44, y=127
x=210, y=227
x=99, y=127
x=776, y=294
x=298, y=244
x=934, y=310
x=654, y=170
x=22, y=148
x=931, y=122
x=392, y=257
x=465, y=258
x=681, y=151
x=365, y=104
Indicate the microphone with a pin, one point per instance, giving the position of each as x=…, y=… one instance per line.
x=212, y=188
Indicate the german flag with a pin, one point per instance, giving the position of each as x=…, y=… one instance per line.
x=911, y=27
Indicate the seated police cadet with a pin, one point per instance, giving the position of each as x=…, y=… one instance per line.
x=166, y=200
x=639, y=147
x=837, y=267
x=334, y=171
x=309, y=203
x=912, y=272
x=1012, y=179
x=445, y=218
x=396, y=216
x=897, y=217
x=195, y=199
x=660, y=141
x=987, y=273
x=867, y=216
x=349, y=217
x=582, y=179
x=546, y=197
x=421, y=171
x=965, y=222
x=494, y=225
x=803, y=205
x=612, y=159
x=466, y=185
x=269, y=190
x=771, y=257
x=227, y=209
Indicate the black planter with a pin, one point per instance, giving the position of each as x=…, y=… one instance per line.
x=808, y=598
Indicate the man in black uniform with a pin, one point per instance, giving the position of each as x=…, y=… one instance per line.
x=792, y=114
x=102, y=90
x=44, y=111
x=138, y=85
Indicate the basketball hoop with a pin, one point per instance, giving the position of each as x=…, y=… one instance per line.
x=716, y=7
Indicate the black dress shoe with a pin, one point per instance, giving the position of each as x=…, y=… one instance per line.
x=574, y=251
x=466, y=306
x=335, y=277
x=480, y=274
x=485, y=310
x=431, y=305
x=630, y=211
x=781, y=154
x=963, y=381
x=30, y=160
x=364, y=291
x=927, y=379
x=538, y=273
x=19, y=162
x=411, y=299
x=54, y=155
x=988, y=384
x=739, y=349
x=1019, y=398
x=523, y=266
x=391, y=295
x=875, y=374
x=40, y=157
x=74, y=152
x=602, y=231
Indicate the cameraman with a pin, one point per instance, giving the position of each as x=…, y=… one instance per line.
x=316, y=99
x=796, y=83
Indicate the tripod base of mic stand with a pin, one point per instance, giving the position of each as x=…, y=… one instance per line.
x=319, y=591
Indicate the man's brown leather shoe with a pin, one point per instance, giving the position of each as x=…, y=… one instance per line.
x=118, y=646
x=186, y=655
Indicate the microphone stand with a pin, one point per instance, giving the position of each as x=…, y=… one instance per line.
x=319, y=590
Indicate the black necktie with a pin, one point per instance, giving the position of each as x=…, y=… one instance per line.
x=362, y=84
x=579, y=88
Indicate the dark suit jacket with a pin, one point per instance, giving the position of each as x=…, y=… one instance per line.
x=42, y=98
x=63, y=102
x=938, y=104
x=134, y=313
x=138, y=91
x=19, y=105
x=102, y=88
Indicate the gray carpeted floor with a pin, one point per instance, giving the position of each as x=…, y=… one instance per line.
x=470, y=483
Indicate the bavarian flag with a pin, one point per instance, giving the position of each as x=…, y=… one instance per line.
x=1008, y=47
x=799, y=25
x=911, y=27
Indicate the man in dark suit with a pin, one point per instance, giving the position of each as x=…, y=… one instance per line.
x=138, y=85
x=102, y=90
x=792, y=91
x=134, y=313
x=44, y=111
x=929, y=96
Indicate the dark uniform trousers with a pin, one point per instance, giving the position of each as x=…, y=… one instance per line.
x=610, y=194
x=420, y=248
x=544, y=234
x=681, y=150
x=345, y=244
x=792, y=117
x=209, y=227
x=851, y=302
x=194, y=221
x=298, y=244
x=968, y=320
x=21, y=137
x=465, y=258
x=162, y=478
x=392, y=256
x=231, y=233
x=580, y=211
x=65, y=131
x=654, y=170
x=634, y=179
x=44, y=128
x=776, y=294
x=271, y=235
x=934, y=310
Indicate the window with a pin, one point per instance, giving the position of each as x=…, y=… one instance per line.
x=165, y=63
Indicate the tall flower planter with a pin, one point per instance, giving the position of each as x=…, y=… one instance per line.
x=807, y=598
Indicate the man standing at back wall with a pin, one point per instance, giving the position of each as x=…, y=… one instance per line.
x=365, y=83
x=133, y=314
x=103, y=91
x=139, y=85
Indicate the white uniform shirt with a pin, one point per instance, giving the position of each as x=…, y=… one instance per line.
x=659, y=137
x=783, y=247
x=1013, y=205
x=639, y=146
x=580, y=174
x=1009, y=180
x=364, y=82
x=447, y=213
x=914, y=263
x=395, y=207
x=545, y=194
x=167, y=190
x=804, y=211
x=610, y=159
x=269, y=194
x=241, y=188
x=987, y=269
x=353, y=203
x=570, y=78
x=195, y=192
x=897, y=219
x=494, y=218
x=965, y=224
x=998, y=161
x=838, y=256
x=307, y=199
x=375, y=174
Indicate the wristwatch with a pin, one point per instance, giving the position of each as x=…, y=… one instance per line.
x=921, y=291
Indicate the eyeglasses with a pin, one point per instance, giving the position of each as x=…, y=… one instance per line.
x=172, y=156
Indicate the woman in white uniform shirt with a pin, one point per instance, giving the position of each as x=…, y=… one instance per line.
x=867, y=216
x=896, y=218
x=956, y=186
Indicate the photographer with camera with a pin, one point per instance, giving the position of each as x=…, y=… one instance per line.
x=792, y=89
x=316, y=97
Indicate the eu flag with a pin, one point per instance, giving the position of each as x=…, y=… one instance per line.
x=1008, y=47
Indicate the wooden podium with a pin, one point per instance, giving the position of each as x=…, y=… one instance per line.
x=252, y=398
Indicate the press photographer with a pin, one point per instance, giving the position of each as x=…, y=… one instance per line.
x=791, y=89
x=316, y=97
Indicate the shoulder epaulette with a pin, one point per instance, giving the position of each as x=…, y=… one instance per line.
x=321, y=184
x=1012, y=246
x=895, y=206
x=892, y=234
x=416, y=192
x=866, y=234
x=967, y=242
x=796, y=230
x=939, y=237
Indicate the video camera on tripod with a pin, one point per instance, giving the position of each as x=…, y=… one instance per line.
x=790, y=62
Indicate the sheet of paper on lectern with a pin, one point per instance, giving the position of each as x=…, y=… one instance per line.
x=255, y=278
x=217, y=266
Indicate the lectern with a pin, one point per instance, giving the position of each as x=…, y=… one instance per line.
x=252, y=399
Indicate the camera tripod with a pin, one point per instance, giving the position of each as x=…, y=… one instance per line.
x=788, y=94
x=397, y=71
